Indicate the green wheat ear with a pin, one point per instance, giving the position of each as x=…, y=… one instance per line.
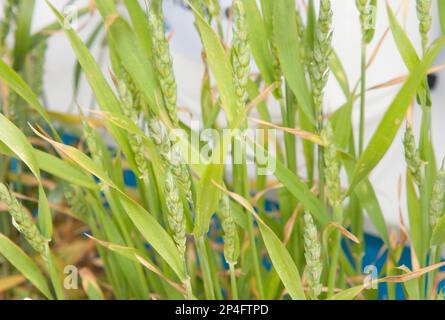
x=301, y=29
x=176, y=218
x=319, y=69
x=163, y=63
x=38, y=67
x=136, y=142
x=331, y=164
x=278, y=92
x=23, y=222
x=438, y=198
x=171, y=156
x=92, y=141
x=312, y=253
x=230, y=235
x=75, y=197
x=240, y=54
x=412, y=156
x=367, y=11
x=425, y=20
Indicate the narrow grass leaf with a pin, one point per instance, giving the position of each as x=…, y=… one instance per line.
x=90, y=285
x=348, y=294
x=308, y=136
x=220, y=66
x=438, y=237
x=258, y=40
x=207, y=199
x=143, y=220
x=368, y=200
x=78, y=68
x=285, y=31
x=140, y=25
x=57, y=167
x=137, y=256
x=392, y=119
x=23, y=32
x=296, y=187
x=17, y=142
x=280, y=257
x=407, y=51
x=342, y=124
x=16, y=83
x=339, y=73
x=208, y=195
x=63, y=170
x=24, y=264
x=411, y=275
x=155, y=235
x=132, y=57
x=102, y=90
x=441, y=11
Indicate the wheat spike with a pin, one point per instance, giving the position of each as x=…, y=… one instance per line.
x=240, y=54
x=312, y=253
x=176, y=218
x=230, y=236
x=437, y=198
x=412, y=156
x=331, y=164
x=23, y=222
x=136, y=142
x=425, y=20
x=319, y=69
x=163, y=63
x=171, y=155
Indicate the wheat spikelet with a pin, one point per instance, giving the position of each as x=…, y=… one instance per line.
x=332, y=172
x=278, y=92
x=301, y=29
x=23, y=222
x=230, y=236
x=171, y=155
x=240, y=54
x=319, y=69
x=176, y=218
x=136, y=141
x=367, y=13
x=424, y=16
x=412, y=156
x=38, y=56
x=164, y=64
x=76, y=201
x=312, y=253
x=92, y=141
x=437, y=198
x=135, y=95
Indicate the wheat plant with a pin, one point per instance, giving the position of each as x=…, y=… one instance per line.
x=198, y=225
